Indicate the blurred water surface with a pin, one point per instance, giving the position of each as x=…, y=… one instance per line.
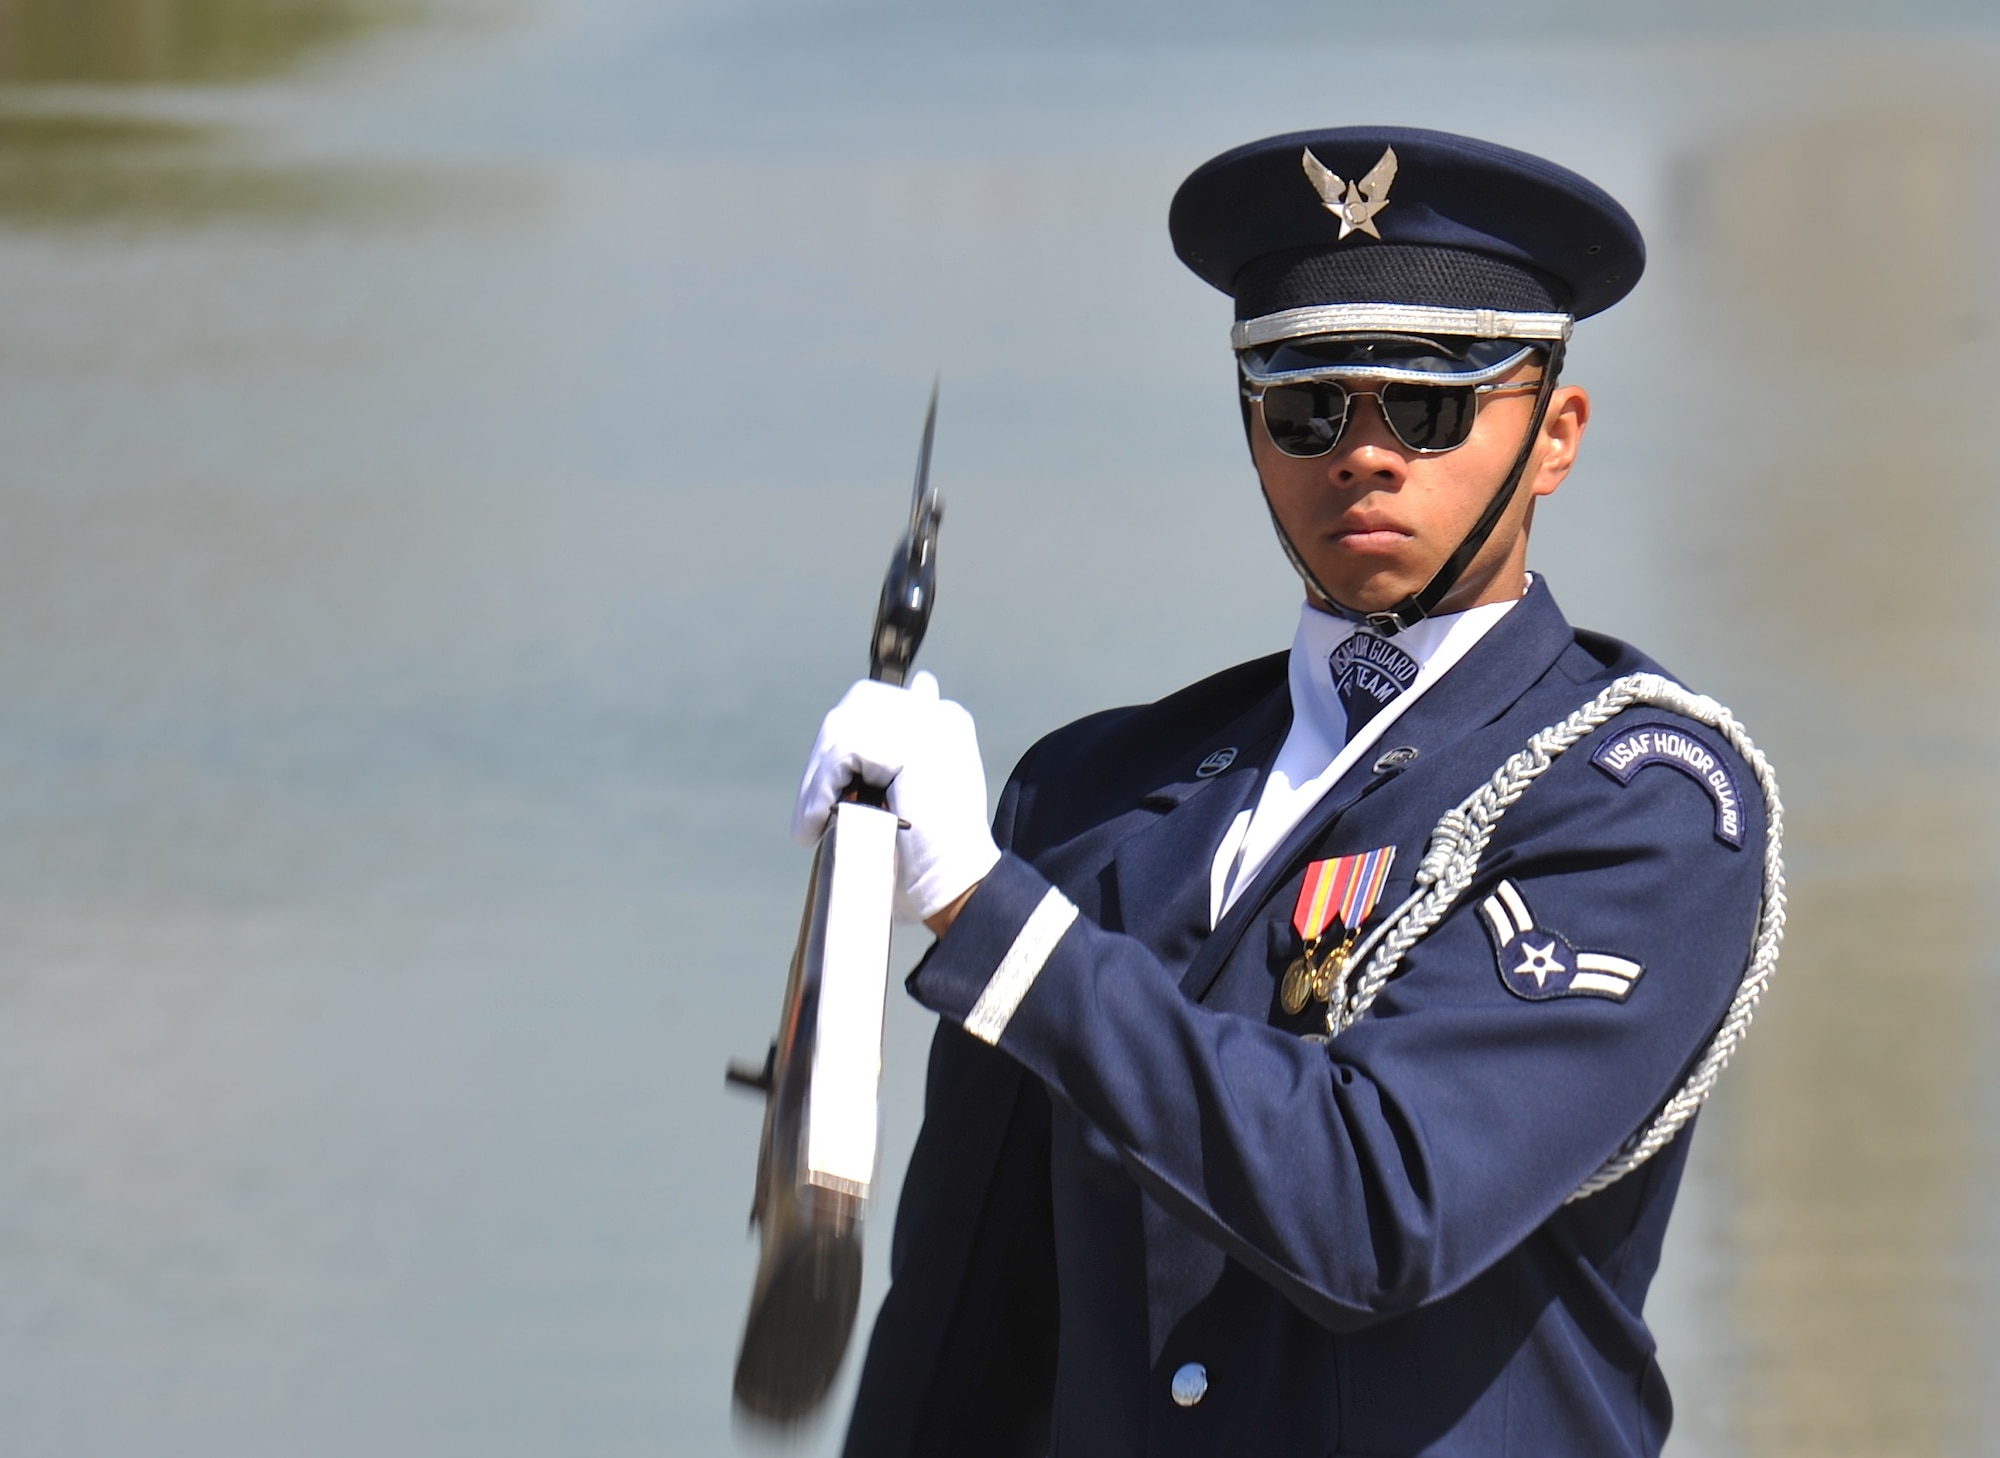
x=156, y=41
x=447, y=454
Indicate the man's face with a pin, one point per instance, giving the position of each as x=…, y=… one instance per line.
x=1375, y=520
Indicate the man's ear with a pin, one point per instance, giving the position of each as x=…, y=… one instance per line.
x=1562, y=433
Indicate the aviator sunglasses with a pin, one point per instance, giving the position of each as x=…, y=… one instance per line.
x=1307, y=419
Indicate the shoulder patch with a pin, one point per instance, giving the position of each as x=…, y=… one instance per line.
x=1630, y=750
x=1538, y=964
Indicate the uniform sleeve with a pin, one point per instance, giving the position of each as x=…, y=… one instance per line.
x=1368, y=1176
x=962, y=1358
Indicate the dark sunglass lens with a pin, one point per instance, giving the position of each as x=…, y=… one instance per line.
x=1430, y=417
x=1304, y=420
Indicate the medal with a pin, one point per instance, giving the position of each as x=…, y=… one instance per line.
x=1296, y=987
x=1331, y=971
x=1342, y=890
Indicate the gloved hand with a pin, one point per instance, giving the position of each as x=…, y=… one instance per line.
x=926, y=751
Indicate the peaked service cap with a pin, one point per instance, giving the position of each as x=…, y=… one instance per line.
x=1404, y=237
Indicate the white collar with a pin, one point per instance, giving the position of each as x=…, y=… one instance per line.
x=1435, y=643
x=1317, y=751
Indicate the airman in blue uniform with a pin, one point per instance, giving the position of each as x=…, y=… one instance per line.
x=1293, y=1095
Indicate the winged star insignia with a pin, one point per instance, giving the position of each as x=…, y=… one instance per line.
x=1354, y=203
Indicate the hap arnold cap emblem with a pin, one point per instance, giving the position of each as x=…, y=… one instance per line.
x=1354, y=203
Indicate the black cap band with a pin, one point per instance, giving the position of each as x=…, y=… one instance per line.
x=1404, y=273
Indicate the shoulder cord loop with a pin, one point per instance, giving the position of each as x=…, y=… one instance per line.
x=1461, y=837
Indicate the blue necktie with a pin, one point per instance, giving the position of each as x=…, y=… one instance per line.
x=1368, y=671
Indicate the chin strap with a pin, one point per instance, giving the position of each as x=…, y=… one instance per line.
x=1422, y=603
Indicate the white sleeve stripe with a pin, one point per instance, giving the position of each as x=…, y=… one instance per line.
x=1604, y=962
x=1503, y=925
x=1597, y=982
x=1018, y=970
x=1507, y=893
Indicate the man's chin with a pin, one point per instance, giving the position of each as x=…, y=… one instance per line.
x=1375, y=595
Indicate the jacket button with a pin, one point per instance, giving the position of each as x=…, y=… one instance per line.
x=1190, y=1384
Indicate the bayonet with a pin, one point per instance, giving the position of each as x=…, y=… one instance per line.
x=907, y=589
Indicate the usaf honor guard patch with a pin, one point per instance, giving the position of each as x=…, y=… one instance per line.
x=1628, y=751
x=1539, y=964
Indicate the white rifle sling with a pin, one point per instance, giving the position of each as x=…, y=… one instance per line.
x=841, y=1106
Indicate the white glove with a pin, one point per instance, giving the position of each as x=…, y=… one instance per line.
x=926, y=751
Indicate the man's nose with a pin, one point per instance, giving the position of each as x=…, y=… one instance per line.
x=1367, y=450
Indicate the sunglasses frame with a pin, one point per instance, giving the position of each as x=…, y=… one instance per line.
x=1254, y=395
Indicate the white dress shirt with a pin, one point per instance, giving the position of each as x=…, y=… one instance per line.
x=1317, y=751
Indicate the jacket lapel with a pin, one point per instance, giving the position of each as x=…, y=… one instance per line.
x=1479, y=688
x=1160, y=873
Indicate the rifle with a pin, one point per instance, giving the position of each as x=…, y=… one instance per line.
x=822, y=1075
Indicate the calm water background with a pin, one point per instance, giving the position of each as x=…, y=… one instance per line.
x=447, y=454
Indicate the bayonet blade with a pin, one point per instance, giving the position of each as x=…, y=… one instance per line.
x=922, y=498
x=911, y=584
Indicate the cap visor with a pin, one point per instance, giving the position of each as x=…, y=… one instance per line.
x=1438, y=361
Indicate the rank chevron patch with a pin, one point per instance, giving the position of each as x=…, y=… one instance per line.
x=1539, y=964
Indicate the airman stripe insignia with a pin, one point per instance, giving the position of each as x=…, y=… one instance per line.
x=1508, y=912
x=1604, y=962
x=1539, y=965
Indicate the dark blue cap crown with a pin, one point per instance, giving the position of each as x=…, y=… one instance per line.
x=1402, y=216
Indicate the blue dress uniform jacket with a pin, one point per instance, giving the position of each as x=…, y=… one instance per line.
x=1363, y=1243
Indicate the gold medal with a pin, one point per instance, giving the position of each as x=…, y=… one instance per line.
x=1331, y=972
x=1343, y=890
x=1296, y=986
